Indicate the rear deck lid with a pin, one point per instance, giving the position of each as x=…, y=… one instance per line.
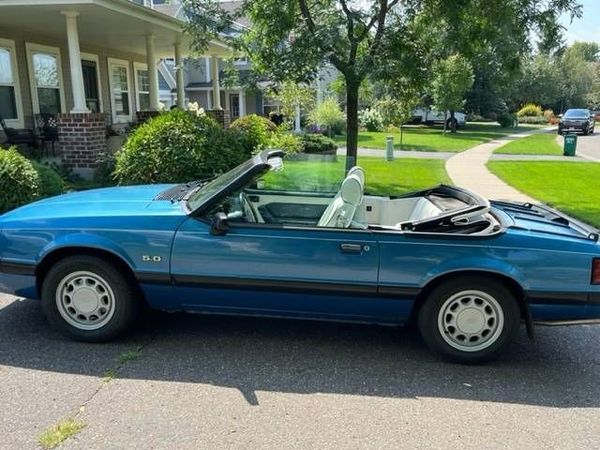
x=542, y=219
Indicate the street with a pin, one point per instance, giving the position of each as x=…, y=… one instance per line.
x=186, y=381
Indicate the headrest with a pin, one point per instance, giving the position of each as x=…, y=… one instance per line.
x=352, y=190
x=360, y=172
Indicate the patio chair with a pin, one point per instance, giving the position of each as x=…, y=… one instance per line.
x=18, y=137
x=47, y=130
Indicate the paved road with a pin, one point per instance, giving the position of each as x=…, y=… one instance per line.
x=230, y=383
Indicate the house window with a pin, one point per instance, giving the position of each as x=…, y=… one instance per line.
x=9, y=104
x=46, y=79
x=270, y=105
x=119, y=89
x=142, y=86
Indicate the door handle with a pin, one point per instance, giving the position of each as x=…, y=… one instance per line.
x=351, y=248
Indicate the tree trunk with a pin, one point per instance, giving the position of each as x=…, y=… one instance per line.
x=401, y=132
x=445, y=121
x=452, y=122
x=351, y=123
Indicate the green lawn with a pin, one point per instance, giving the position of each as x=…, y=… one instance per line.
x=537, y=144
x=382, y=177
x=422, y=138
x=569, y=186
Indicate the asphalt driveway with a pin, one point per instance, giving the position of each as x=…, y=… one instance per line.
x=216, y=382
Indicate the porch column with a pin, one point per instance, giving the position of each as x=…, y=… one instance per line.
x=242, y=95
x=152, y=72
x=77, y=87
x=297, y=126
x=179, y=77
x=216, y=104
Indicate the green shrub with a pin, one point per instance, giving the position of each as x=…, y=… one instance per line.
x=328, y=117
x=507, y=120
x=316, y=143
x=51, y=183
x=19, y=182
x=370, y=119
x=257, y=130
x=530, y=110
x=177, y=146
x=104, y=173
x=533, y=120
x=283, y=139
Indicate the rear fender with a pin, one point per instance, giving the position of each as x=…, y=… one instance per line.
x=475, y=264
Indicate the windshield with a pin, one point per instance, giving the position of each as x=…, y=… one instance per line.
x=577, y=114
x=208, y=190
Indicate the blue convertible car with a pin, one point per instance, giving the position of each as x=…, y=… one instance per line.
x=260, y=240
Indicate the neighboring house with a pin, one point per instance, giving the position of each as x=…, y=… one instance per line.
x=89, y=62
x=198, y=73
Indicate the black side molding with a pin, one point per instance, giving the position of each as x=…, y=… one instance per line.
x=275, y=285
x=13, y=268
x=557, y=298
x=153, y=278
x=245, y=284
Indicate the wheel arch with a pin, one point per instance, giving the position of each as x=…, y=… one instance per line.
x=60, y=253
x=513, y=285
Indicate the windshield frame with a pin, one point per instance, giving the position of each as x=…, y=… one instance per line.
x=197, y=203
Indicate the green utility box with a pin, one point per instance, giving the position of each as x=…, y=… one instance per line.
x=570, y=147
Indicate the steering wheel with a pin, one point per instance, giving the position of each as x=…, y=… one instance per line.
x=248, y=208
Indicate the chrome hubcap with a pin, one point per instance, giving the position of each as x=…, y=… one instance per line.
x=85, y=300
x=471, y=321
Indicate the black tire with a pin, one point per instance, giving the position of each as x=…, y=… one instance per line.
x=124, y=298
x=500, y=338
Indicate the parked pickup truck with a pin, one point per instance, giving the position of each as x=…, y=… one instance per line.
x=433, y=117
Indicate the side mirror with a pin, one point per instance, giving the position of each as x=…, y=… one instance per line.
x=560, y=116
x=219, y=225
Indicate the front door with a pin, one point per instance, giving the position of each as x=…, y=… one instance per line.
x=234, y=105
x=276, y=270
x=90, y=84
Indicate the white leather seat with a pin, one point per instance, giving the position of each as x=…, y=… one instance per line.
x=341, y=211
x=360, y=216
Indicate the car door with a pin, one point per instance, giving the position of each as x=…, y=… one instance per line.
x=276, y=270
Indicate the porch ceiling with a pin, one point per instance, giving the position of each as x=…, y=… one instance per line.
x=113, y=24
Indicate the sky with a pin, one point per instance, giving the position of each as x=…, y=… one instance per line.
x=588, y=27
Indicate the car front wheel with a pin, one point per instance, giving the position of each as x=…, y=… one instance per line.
x=469, y=319
x=88, y=299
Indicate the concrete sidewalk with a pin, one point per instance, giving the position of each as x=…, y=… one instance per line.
x=468, y=170
x=380, y=153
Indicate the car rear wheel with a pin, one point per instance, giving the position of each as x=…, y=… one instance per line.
x=469, y=319
x=88, y=299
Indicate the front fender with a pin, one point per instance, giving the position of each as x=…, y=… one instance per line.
x=86, y=240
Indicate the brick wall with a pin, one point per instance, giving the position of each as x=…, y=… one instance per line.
x=221, y=116
x=81, y=138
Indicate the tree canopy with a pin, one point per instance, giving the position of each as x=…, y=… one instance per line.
x=390, y=40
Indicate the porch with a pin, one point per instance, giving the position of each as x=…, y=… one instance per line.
x=89, y=63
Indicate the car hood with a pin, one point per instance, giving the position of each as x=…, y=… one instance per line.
x=107, y=202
